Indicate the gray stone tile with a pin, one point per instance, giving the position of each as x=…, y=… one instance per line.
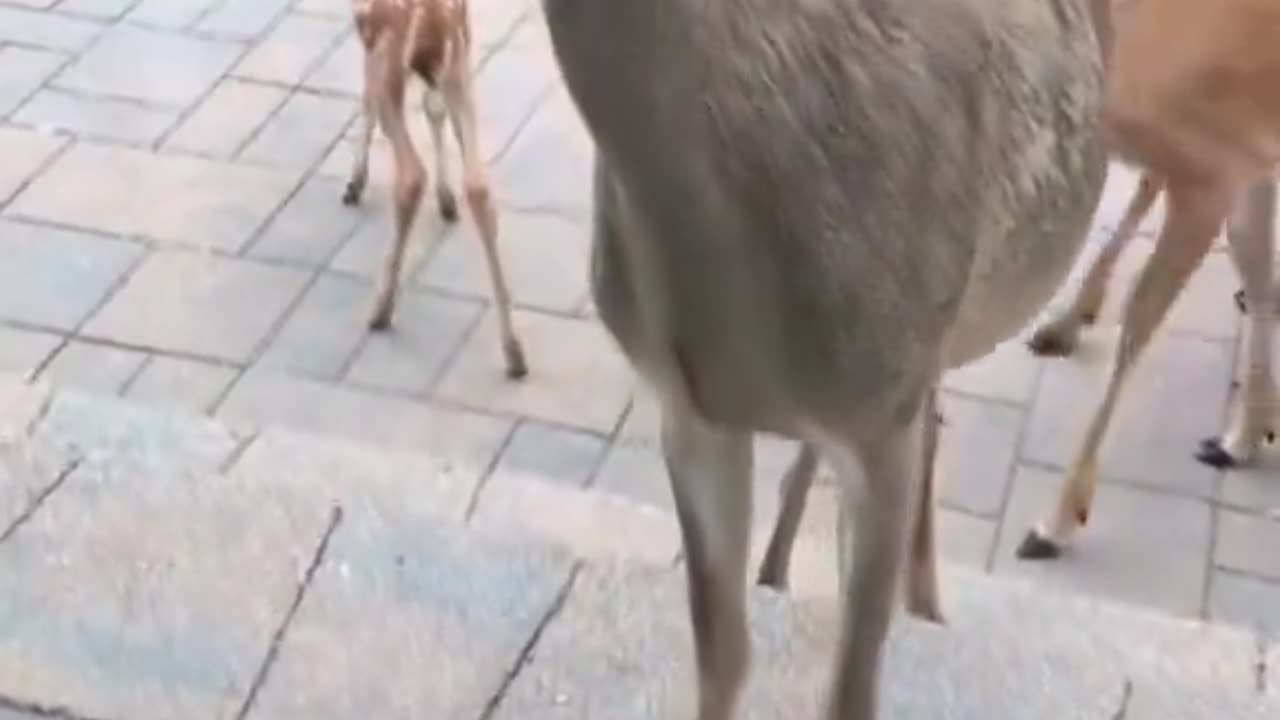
x=553, y=138
x=577, y=377
x=1255, y=488
x=1009, y=373
x=292, y=48
x=363, y=479
x=226, y=120
x=1245, y=600
x=636, y=473
x=22, y=351
x=199, y=304
x=170, y=14
x=1151, y=701
x=964, y=539
x=429, y=644
x=177, y=382
x=37, y=4
x=21, y=404
x=163, y=604
x=589, y=524
x=49, y=30
x=241, y=19
x=326, y=8
x=493, y=20
x=310, y=227
x=300, y=133
x=323, y=332
x=88, y=366
x=976, y=453
x=96, y=118
x=545, y=258
x=1247, y=543
x=366, y=250
x=22, y=72
x=1152, y=438
x=469, y=441
x=1140, y=547
x=551, y=454
x=205, y=203
x=180, y=68
x=56, y=278
x=27, y=470
x=96, y=9
x=509, y=89
x=340, y=72
x=427, y=332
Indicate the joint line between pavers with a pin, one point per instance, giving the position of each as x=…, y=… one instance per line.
x=67, y=142
x=1011, y=475
x=1260, y=664
x=522, y=658
x=1126, y=695
x=489, y=470
x=56, y=712
x=43, y=495
x=278, y=638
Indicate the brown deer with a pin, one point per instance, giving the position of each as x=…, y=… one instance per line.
x=430, y=39
x=1203, y=124
x=805, y=210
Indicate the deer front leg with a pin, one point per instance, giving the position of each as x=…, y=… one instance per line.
x=436, y=111
x=1251, y=240
x=1059, y=336
x=794, y=491
x=1195, y=214
x=459, y=100
x=370, y=99
x=710, y=471
x=878, y=530
x=922, y=562
x=408, y=195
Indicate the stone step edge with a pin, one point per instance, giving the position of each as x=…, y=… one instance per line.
x=591, y=525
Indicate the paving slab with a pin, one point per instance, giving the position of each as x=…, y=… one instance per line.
x=170, y=198
x=27, y=470
x=170, y=14
x=291, y=48
x=56, y=278
x=310, y=227
x=173, y=382
x=242, y=19
x=170, y=623
x=96, y=118
x=1245, y=600
x=552, y=453
x=200, y=304
x=976, y=451
x=23, y=70
x=300, y=133
x=442, y=619
x=89, y=366
x=180, y=68
x=322, y=333
x=48, y=30
x=22, y=352
x=409, y=356
x=1169, y=702
x=1247, y=543
x=25, y=151
x=227, y=119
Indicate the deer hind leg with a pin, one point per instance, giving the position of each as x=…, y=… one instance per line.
x=877, y=529
x=370, y=100
x=710, y=472
x=436, y=111
x=459, y=100
x=1195, y=214
x=1059, y=336
x=922, y=561
x=794, y=492
x=1251, y=239
x=409, y=179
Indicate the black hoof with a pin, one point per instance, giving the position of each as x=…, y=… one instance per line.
x=448, y=205
x=1048, y=342
x=1212, y=453
x=351, y=196
x=1036, y=547
x=1240, y=302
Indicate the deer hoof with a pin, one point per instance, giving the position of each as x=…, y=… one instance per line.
x=1052, y=340
x=1241, y=305
x=514, y=354
x=1037, y=547
x=448, y=205
x=380, y=318
x=1212, y=453
x=351, y=195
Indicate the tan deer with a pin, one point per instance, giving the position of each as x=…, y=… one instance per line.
x=1203, y=124
x=805, y=210
x=430, y=39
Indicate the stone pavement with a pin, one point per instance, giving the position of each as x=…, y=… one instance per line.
x=170, y=174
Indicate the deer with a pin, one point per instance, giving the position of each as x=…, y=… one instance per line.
x=1204, y=130
x=432, y=40
x=803, y=212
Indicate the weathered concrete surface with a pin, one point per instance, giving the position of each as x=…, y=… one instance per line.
x=1170, y=702
x=408, y=620
x=621, y=648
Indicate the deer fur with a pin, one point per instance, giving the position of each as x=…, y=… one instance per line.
x=430, y=39
x=805, y=210
x=1203, y=125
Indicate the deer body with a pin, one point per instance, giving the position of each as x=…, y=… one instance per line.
x=805, y=210
x=430, y=39
x=1204, y=128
